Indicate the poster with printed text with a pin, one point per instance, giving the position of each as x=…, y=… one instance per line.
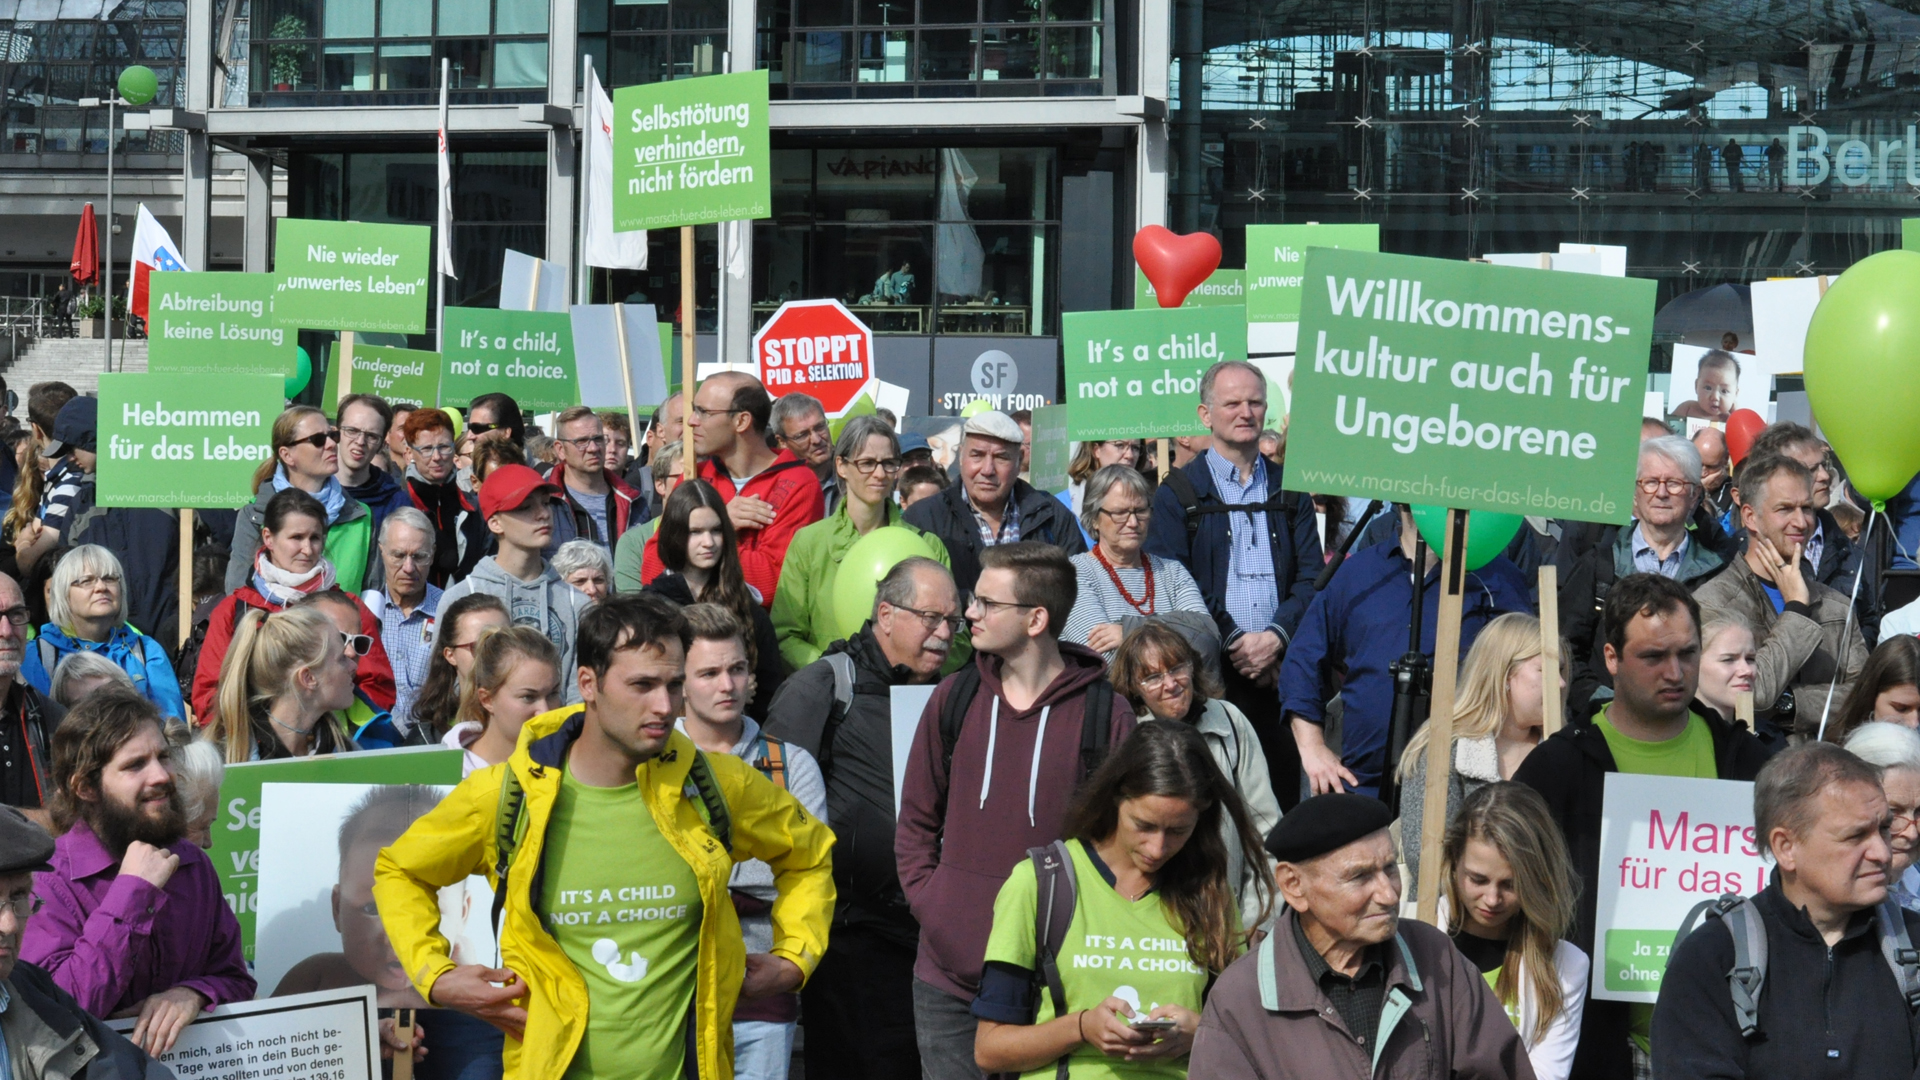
x=332, y=1035
x=215, y=324
x=1277, y=258
x=1136, y=374
x=691, y=152
x=1052, y=449
x=184, y=440
x=351, y=275
x=1223, y=288
x=526, y=354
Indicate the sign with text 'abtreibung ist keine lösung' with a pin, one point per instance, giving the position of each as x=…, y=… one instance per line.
x=184, y=440
x=1471, y=386
x=691, y=152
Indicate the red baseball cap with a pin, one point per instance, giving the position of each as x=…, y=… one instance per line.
x=509, y=487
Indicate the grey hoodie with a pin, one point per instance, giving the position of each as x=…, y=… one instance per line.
x=546, y=603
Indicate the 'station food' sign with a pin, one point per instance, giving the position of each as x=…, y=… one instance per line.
x=184, y=440
x=208, y=323
x=691, y=152
x=527, y=354
x=1277, y=261
x=1136, y=374
x=1470, y=386
x=1666, y=843
x=351, y=275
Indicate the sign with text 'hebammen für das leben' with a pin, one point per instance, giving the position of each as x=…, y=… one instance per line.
x=362, y=276
x=1470, y=386
x=216, y=323
x=526, y=354
x=184, y=440
x=1136, y=374
x=691, y=152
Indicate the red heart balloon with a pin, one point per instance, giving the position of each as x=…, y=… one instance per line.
x=1742, y=428
x=1176, y=265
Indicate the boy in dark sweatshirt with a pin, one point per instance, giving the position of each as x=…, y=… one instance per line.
x=1015, y=763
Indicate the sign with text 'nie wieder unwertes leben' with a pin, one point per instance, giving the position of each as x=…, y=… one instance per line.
x=1470, y=386
x=1277, y=258
x=351, y=275
x=691, y=152
x=184, y=440
x=216, y=323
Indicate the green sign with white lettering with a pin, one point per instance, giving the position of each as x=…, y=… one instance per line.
x=1136, y=374
x=215, y=323
x=1276, y=263
x=1052, y=450
x=691, y=152
x=1467, y=385
x=168, y=440
x=402, y=376
x=351, y=275
x=525, y=354
x=1222, y=288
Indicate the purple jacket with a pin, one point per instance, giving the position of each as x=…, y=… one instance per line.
x=112, y=942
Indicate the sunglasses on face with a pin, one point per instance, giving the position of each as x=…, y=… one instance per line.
x=319, y=439
x=358, y=645
x=483, y=428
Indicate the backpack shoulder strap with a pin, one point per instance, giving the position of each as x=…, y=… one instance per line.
x=841, y=666
x=49, y=656
x=1748, y=976
x=966, y=683
x=1188, y=498
x=509, y=827
x=770, y=757
x=1055, y=897
x=1897, y=946
x=705, y=790
x=1096, y=726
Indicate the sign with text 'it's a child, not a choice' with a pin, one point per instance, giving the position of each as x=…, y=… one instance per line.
x=1666, y=843
x=817, y=347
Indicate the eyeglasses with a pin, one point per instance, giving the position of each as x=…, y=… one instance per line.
x=1126, y=513
x=817, y=431
x=17, y=616
x=358, y=645
x=319, y=439
x=933, y=618
x=1180, y=673
x=1900, y=820
x=590, y=442
x=465, y=645
x=991, y=604
x=354, y=434
x=1653, y=486
x=703, y=414
x=24, y=904
x=889, y=466
x=442, y=450
x=88, y=582
x=409, y=558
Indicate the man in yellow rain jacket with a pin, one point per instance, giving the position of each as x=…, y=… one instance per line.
x=621, y=954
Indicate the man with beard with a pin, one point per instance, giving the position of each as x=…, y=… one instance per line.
x=27, y=717
x=133, y=923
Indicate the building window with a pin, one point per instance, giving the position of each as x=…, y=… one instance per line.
x=389, y=52
x=932, y=48
x=915, y=241
x=48, y=66
x=634, y=42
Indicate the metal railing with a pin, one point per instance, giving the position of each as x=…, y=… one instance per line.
x=24, y=316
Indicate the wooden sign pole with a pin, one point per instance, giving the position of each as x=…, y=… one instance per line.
x=533, y=285
x=1555, y=694
x=1163, y=455
x=687, y=361
x=626, y=374
x=186, y=575
x=343, y=385
x=1743, y=707
x=1446, y=671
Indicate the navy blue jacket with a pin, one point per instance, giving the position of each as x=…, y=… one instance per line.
x=382, y=495
x=1358, y=627
x=1291, y=534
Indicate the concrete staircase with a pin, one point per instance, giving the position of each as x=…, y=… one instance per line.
x=74, y=361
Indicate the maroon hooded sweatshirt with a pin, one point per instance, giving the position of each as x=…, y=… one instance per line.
x=954, y=854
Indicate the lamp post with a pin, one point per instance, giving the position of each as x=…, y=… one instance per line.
x=137, y=86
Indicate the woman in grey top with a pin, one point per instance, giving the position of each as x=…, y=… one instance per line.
x=1121, y=586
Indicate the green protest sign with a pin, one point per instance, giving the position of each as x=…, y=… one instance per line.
x=1276, y=263
x=236, y=827
x=527, y=354
x=184, y=440
x=402, y=376
x=1910, y=234
x=351, y=275
x=1467, y=385
x=1223, y=288
x=691, y=152
x=215, y=323
x=1136, y=374
x=1052, y=449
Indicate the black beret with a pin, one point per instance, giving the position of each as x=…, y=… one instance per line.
x=1326, y=823
x=23, y=845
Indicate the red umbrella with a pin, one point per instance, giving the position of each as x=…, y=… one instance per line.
x=86, y=249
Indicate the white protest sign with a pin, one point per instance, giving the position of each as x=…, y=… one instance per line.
x=909, y=702
x=1613, y=257
x=1666, y=843
x=328, y=1035
x=531, y=284
x=596, y=356
x=1781, y=312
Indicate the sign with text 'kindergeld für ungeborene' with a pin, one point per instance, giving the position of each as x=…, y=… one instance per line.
x=215, y=323
x=1471, y=386
x=1136, y=374
x=184, y=440
x=351, y=275
x=691, y=152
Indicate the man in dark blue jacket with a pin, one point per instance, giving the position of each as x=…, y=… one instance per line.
x=1252, y=549
x=1356, y=629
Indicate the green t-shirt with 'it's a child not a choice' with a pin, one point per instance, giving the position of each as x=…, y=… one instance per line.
x=625, y=907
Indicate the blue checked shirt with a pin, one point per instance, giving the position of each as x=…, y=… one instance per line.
x=1009, y=522
x=1253, y=589
x=1648, y=561
x=409, y=642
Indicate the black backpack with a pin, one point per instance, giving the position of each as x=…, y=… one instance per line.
x=1281, y=505
x=1094, y=734
x=1057, y=892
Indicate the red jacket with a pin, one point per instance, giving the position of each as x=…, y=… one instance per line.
x=797, y=503
x=374, y=677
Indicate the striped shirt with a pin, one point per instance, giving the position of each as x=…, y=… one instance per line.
x=64, y=482
x=1098, y=602
x=1252, y=586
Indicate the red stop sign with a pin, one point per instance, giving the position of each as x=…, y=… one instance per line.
x=815, y=347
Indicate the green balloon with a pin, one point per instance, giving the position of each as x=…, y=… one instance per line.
x=138, y=84
x=858, y=576
x=1488, y=532
x=976, y=407
x=1863, y=371
x=302, y=373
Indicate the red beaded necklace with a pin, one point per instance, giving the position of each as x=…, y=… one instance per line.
x=1144, y=607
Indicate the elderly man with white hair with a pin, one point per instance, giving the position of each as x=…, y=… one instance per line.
x=407, y=609
x=1669, y=534
x=1895, y=748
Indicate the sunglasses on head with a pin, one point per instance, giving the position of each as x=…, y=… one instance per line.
x=319, y=439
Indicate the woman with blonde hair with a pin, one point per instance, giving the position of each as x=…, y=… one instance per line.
x=1093, y=455
x=515, y=677
x=1497, y=718
x=1507, y=898
x=284, y=678
x=306, y=455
